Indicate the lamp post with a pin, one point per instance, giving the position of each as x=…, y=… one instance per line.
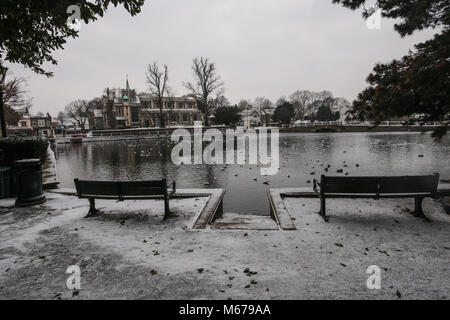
x=248, y=116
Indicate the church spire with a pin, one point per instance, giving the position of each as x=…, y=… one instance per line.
x=127, y=94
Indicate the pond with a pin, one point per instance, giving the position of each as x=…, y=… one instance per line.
x=303, y=157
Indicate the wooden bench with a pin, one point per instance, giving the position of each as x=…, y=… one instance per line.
x=417, y=187
x=124, y=190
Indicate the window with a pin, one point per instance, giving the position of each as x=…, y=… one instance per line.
x=41, y=123
x=23, y=123
x=185, y=117
x=134, y=114
x=48, y=124
x=34, y=123
x=181, y=105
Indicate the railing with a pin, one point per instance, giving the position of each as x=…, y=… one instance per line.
x=148, y=131
x=366, y=123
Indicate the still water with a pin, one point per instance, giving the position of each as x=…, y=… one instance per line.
x=303, y=157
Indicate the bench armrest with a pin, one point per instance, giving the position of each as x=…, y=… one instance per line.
x=77, y=187
x=173, y=185
x=315, y=184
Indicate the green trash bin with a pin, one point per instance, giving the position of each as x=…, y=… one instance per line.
x=4, y=182
x=28, y=176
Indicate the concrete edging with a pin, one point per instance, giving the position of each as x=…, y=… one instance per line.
x=278, y=210
x=212, y=210
x=281, y=215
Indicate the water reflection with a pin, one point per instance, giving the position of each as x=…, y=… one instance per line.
x=302, y=158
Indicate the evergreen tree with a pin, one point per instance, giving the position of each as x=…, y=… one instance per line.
x=419, y=83
x=284, y=113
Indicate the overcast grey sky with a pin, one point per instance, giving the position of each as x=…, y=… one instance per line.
x=261, y=47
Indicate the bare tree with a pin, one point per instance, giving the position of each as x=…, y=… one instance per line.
x=218, y=102
x=78, y=113
x=13, y=99
x=157, y=79
x=108, y=96
x=61, y=117
x=206, y=81
x=305, y=101
x=244, y=105
x=261, y=105
x=3, y=71
x=318, y=98
x=301, y=99
x=281, y=100
x=170, y=94
x=94, y=104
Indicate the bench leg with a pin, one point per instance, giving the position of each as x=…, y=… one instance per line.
x=219, y=211
x=92, y=211
x=323, y=209
x=418, y=211
x=167, y=212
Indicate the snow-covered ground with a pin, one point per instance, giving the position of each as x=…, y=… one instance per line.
x=130, y=252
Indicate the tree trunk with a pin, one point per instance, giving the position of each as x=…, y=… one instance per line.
x=206, y=113
x=2, y=114
x=3, y=71
x=162, y=123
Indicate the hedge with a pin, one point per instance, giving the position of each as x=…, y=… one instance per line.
x=18, y=148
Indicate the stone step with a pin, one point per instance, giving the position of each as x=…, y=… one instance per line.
x=239, y=221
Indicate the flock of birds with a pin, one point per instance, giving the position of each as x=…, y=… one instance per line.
x=317, y=167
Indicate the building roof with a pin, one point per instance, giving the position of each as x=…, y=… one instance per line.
x=148, y=96
x=133, y=100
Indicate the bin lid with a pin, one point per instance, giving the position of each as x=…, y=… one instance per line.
x=27, y=162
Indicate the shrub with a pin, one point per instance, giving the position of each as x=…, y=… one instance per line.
x=17, y=148
x=227, y=115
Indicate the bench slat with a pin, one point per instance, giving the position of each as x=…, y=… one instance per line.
x=142, y=188
x=117, y=189
x=380, y=185
x=411, y=184
x=103, y=188
x=349, y=185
